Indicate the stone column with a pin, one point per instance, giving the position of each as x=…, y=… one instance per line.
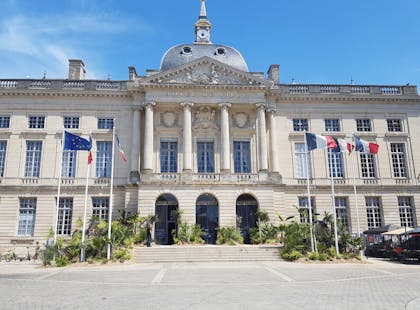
x=273, y=142
x=262, y=138
x=187, y=163
x=148, y=137
x=225, y=140
x=135, y=146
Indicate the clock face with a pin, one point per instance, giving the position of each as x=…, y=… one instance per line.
x=202, y=33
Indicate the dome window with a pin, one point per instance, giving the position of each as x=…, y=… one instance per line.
x=220, y=51
x=186, y=50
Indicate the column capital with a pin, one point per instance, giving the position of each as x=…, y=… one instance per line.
x=271, y=110
x=187, y=105
x=149, y=104
x=261, y=105
x=225, y=105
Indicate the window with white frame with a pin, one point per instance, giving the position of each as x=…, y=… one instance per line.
x=103, y=159
x=205, y=156
x=300, y=124
x=33, y=159
x=373, y=212
x=168, y=156
x=36, y=121
x=65, y=213
x=69, y=164
x=406, y=209
x=100, y=207
x=332, y=124
x=341, y=210
x=335, y=164
x=304, y=209
x=367, y=166
x=302, y=162
x=105, y=123
x=399, y=165
x=4, y=121
x=3, y=146
x=27, y=212
x=242, y=156
x=394, y=125
x=71, y=122
x=363, y=124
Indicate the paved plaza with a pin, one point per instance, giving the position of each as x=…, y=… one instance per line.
x=375, y=284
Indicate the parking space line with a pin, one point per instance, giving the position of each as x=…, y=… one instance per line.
x=48, y=275
x=159, y=276
x=279, y=274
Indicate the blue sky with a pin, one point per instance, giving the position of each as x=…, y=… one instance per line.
x=323, y=41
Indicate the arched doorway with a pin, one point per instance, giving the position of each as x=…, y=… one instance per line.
x=166, y=211
x=246, y=215
x=207, y=216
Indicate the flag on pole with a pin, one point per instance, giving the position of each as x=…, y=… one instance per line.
x=319, y=142
x=343, y=146
x=76, y=143
x=365, y=146
x=120, y=149
x=90, y=158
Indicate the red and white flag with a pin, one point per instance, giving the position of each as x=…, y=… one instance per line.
x=120, y=149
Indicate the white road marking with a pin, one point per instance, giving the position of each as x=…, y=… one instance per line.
x=281, y=275
x=158, y=278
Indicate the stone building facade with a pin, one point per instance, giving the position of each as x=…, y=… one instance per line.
x=203, y=135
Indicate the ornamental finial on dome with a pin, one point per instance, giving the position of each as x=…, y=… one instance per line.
x=203, y=13
x=202, y=26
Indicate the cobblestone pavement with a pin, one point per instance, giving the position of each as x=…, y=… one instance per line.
x=247, y=285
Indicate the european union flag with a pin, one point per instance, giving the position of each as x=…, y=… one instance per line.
x=76, y=143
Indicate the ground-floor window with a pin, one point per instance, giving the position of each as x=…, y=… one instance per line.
x=406, y=210
x=65, y=212
x=304, y=209
x=373, y=212
x=27, y=212
x=100, y=207
x=341, y=211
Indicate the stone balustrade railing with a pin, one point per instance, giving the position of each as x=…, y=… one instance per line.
x=60, y=85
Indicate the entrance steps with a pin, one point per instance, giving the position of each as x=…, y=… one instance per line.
x=205, y=253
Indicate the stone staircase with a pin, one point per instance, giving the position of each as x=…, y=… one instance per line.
x=205, y=253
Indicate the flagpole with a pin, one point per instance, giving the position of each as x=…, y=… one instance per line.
x=83, y=250
x=60, y=175
x=355, y=193
x=329, y=163
x=309, y=195
x=110, y=195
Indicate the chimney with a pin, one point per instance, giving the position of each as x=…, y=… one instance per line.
x=274, y=73
x=76, y=69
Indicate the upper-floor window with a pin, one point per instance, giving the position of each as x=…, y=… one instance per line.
x=406, y=209
x=168, y=156
x=205, y=157
x=300, y=124
x=103, y=159
x=367, y=166
x=36, y=121
x=69, y=164
x=27, y=211
x=302, y=162
x=100, y=207
x=332, y=124
x=373, y=212
x=363, y=124
x=394, y=125
x=399, y=165
x=105, y=123
x=65, y=213
x=335, y=164
x=71, y=122
x=33, y=159
x=304, y=209
x=3, y=146
x=242, y=156
x=341, y=210
x=4, y=121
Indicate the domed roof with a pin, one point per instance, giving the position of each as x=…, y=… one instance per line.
x=184, y=53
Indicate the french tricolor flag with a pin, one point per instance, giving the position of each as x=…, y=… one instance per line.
x=344, y=146
x=365, y=146
x=319, y=142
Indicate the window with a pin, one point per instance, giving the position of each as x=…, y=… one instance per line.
x=394, y=125
x=332, y=124
x=27, y=211
x=105, y=123
x=373, y=212
x=406, y=209
x=300, y=124
x=65, y=212
x=398, y=160
x=341, y=211
x=33, y=159
x=335, y=164
x=168, y=156
x=363, y=124
x=303, y=162
x=69, y=164
x=103, y=159
x=205, y=157
x=71, y=122
x=304, y=209
x=3, y=145
x=100, y=207
x=4, y=121
x=367, y=165
x=242, y=156
x=36, y=121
